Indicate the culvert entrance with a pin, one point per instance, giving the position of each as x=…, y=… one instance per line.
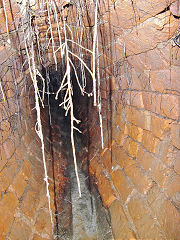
x=75, y=217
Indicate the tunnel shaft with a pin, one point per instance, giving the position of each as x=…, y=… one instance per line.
x=131, y=186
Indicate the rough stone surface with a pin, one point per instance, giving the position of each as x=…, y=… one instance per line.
x=143, y=117
x=120, y=224
x=138, y=174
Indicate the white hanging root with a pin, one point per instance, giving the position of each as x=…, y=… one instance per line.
x=92, y=75
x=68, y=102
x=7, y=28
x=94, y=53
x=33, y=72
x=68, y=69
x=43, y=80
x=57, y=22
x=50, y=26
x=86, y=49
x=99, y=96
x=2, y=91
x=80, y=5
x=40, y=134
x=66, y=82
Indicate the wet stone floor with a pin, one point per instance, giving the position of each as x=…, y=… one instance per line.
x=77, y=218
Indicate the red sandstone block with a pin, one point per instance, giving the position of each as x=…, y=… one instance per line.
x=139, y=118
x=139, y=78
x=145, y=224
x=120, y=155
x=95, y=166
x=137, y=208
x=5, y=130
x=140, y=39
x=154, y=61
x=7, y=173
x=175, y=135
x=147, y=9
x=3, y=158
x=9, y=148
x=168, y=105
x=119, y=222
x=12, y=106
x=120, y=137
x=174, y=8
x=168, y=52
x=105, y=84
x=177, y=163
x=168, y=153
x=119, y=108
x=122, y=184
x=107, y=160
x=115, y=86
x=149, y=101
x=160, y=126
x=105, y=5
x=141, y=181
x=165, y=80
x=31, y=201
x=173, y=185
x=149, y=141
x=106, y=191
x=135, y=80
x=150, y=60
x=121, y=15
x=135, y=132
x=19, y=153
x=11, y=11
x=8, y=208
x=134, y=99
x=105, y=35
x=161, y=174
x=131, y=147
x=114, y=51
x=167, y=215
x=147, y=228
x=20, y=229
x=153, y=194
x=145, y=159
x=119, y=121
x=4, y=53
x=104, y=62
x=124, y=82
x=43, y=222
x=137, y=62
x=18, y=185
x=8, y=78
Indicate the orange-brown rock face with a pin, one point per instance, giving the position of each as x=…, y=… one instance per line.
x=138, y=171
x=140, y=106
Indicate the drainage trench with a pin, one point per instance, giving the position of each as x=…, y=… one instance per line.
x=75, y=217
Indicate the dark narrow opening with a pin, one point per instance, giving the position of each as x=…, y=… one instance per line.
x=76, y=218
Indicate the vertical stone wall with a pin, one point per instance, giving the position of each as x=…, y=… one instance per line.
x=138, y=171
x=23, y=202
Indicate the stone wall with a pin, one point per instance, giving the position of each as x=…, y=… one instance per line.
x=137, y=173
x=23, y=202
